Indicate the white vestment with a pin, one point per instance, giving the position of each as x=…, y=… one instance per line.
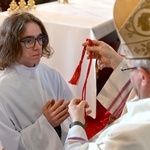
x=1, y=147
x=23, y=93
x=116, y=91
x=130, y=132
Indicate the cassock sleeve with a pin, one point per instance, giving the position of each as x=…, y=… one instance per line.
x=41, y=135
x=10, y=138
x=1, y=146
x=38, y=135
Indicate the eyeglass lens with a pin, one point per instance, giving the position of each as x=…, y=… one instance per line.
x=29, y=42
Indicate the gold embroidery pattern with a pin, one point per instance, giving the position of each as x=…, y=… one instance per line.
x=136, y=32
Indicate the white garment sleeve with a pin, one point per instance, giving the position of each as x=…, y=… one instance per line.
x=10, y=138
x=38, y=135
x=41, y=135
x=1, y=146
x=118, y=137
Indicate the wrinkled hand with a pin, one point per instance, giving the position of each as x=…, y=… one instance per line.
x=105, y=54
x=55, y=111
x=77, y=110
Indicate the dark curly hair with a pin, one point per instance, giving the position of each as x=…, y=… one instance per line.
x=10, y=33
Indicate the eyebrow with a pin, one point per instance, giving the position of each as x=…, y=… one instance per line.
x=31, y=36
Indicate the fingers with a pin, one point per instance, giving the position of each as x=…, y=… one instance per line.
x=102, y=52
x=94, y=42
x=77, y=110
x=92, y=51
x=57, y=104
x=61, y=108
x=75, y=102
x=62, y=115
x=102, y=64
x=88, y=112
x=83, y=104
x=93, y=48
x=55, y=112
x=58, y=118
x=98, y=49
x=93, y=55
x=49, y=104
x=78, y=103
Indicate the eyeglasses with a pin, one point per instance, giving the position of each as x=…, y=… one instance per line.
x=127, y=68
x=29, y=42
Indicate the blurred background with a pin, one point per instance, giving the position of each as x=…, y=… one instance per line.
x=4, y=4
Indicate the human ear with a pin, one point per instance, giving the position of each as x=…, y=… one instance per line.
x=144, y=76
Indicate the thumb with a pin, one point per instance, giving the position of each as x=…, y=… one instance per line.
x=83, y=103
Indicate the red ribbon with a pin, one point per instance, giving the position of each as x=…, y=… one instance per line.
x=93, y=126
x=75, y=78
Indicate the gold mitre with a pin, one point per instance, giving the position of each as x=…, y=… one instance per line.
x=132, y=20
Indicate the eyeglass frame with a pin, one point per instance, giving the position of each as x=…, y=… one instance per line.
x=35, y=39
x=127, y=68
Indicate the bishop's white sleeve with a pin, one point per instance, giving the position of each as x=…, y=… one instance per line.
x=77, y=140
x=119, y=137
